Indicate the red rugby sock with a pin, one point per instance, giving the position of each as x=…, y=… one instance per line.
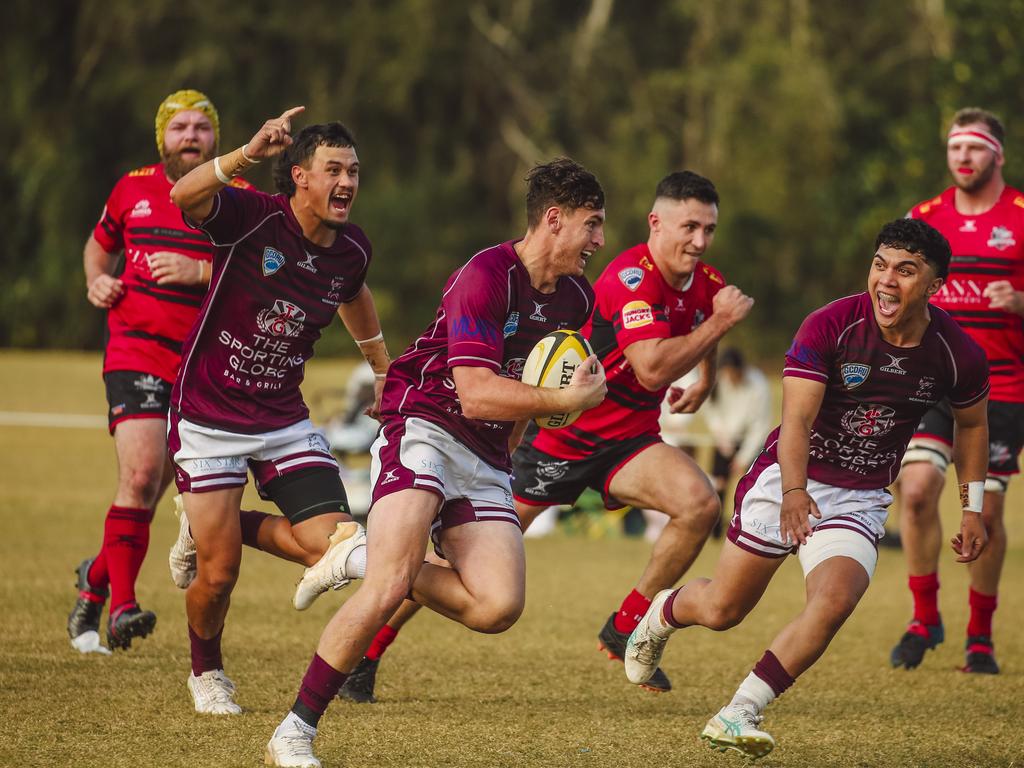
x=385, y=637
x=925, y=590
x=982, y=608
x=125, y=541
x=631, y=611
x=98, y=576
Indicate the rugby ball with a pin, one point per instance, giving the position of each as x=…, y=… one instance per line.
x=551, y=363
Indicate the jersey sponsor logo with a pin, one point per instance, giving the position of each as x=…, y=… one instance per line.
x=1018, y=201
x=273, y=260
x=869, y=420
x=712, y=275
x=631, y=277
x=389, y=476
x=680, y=305
x=969, y=225
x=511, y=324
x=924, y=393
x=999, y=453
x=334, y=295
x=1001, y=239
x=646, y=264
x=307, y=263
x=637, y=314
x=854, y=374
x=513, y=368
x=463, y=328
x=895, y=365
x=317, y=443
x=283, y=319
x=142, y=171
x=538, y=312
x=141, y=210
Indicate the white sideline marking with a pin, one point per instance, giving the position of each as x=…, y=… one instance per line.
x=65, y=420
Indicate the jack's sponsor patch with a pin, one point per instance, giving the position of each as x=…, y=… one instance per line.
x=637, y=314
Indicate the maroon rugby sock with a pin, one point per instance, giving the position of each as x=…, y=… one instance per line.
x=668, y=612
x=251, y=520
x=770, y=669
x=631, y=611
x=925, y=590
x=125, y=541
x=385, y=637
x=982, y=608
x=321, y=684
x=205, y=652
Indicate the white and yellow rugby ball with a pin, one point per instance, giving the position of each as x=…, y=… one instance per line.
x=551, y=363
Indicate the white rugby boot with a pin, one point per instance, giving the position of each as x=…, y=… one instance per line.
x=736, y=727
x=647, y=643
x=291, y=746
x=330, y=572
x=213, y=693
x=182, y=557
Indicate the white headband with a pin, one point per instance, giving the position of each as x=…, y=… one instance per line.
x=974, y=136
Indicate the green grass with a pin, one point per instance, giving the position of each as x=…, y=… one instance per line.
x=538, y=695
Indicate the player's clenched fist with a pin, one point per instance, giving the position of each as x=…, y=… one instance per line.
x=731, y=304
x=274, y=136
x=105, y=291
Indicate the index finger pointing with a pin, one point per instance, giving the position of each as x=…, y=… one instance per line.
x=288, y=114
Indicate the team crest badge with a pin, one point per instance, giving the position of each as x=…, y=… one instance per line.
x=632, y=277
x=1001, y=239
x=854, y=374
x=511, y=324
x=273, y=260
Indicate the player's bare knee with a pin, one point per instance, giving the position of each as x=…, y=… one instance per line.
x=720, y=615
x=698, y=508
x=917, y=502
x=217, y=579
x=494, y=616
x=141, y=482
x=386, y=591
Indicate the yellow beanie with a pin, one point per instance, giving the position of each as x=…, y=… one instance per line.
x=180, y=101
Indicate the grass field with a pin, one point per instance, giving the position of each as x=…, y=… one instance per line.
x=538, y=695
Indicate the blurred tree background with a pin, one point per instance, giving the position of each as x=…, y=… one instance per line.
x=818, y=121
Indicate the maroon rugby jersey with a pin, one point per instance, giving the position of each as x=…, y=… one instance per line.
x=491, y=317
x=875, y=392
x=986, y=248
x=147, y=326
x=272, y=293
x=633, y=302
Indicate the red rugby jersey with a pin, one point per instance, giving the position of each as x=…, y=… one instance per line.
x=986, y=248
x=146, y=328
x=632, y=303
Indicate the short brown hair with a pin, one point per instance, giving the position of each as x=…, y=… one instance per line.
x=969, y=115
x=562, y=182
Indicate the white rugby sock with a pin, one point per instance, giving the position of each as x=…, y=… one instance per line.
x=753, y=693
x=355, y=565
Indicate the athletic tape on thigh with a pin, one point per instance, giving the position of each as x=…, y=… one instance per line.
x=923, y=453
x=837, y=542
x=994, y=484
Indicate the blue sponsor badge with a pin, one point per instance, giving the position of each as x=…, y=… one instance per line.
x=854, y=374
x=632, y=277
x=273, y=260
x=511, y=324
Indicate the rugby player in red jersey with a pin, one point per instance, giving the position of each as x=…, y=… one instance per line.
x=150, y=308
x=858, y=377
x=441, y=465
x=659, y=311
x=983, y=220
x=284, y=265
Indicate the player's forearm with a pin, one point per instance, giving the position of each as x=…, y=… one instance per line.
x=360, y=318
x=659, y=364
x=194, y=192
x=496, y=398
x=96, y=261
x=970, y=452
x=792, y=450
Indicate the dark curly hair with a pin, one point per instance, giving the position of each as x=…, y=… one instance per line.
x=915, y=236
x=562, y=182
x=302, y=148
x=683, y=185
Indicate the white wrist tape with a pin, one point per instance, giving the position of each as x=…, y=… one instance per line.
x=378, y=337
x=248, y=159
x=972, y=496
x=221, y=176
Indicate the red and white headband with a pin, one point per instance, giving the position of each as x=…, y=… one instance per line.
x=974, y=136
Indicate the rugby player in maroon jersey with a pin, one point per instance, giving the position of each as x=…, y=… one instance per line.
x=983, y=220
x=150, y=306
x=284, y=265
x=441, y=464
x=858, y=377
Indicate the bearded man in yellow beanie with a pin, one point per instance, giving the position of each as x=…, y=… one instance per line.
x=151, y=303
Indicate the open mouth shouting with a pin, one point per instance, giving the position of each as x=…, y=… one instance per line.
x=888, y=304
x=340, y=204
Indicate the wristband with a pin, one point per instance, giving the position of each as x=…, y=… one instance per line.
x=221, y=176
x=248, y=159
x=380, y=375
x=972, y=496
x=378, y=337
x=798, y=488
